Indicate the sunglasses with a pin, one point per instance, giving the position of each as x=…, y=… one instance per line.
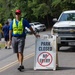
x=17, y=13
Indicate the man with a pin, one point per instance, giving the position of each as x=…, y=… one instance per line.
x=5, y=30
x=17, y=35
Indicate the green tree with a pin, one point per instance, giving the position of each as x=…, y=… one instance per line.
x=35, y=10
x=61, y=5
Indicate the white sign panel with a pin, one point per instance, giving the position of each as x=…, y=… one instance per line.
x=45, y=53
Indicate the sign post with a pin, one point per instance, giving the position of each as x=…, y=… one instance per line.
x=45, y=53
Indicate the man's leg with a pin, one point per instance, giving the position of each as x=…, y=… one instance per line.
x=21, y=43
x=6, y=44
x=9, y=45
x=20, y=58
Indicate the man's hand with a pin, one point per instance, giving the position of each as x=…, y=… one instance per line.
x=37, y=35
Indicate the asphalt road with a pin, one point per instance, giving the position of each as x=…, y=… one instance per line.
x=9, y=64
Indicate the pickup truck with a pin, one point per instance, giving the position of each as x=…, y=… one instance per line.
x=64, y=29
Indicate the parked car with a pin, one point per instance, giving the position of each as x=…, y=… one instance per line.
x=37, y=26
x=64, y=28
x=27, y=30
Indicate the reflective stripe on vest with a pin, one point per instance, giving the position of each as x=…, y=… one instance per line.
x=18, y=29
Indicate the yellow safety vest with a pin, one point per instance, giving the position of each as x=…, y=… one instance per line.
x=18, y=29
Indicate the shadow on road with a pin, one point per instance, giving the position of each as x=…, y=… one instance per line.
x=66, y=68
x=27, y=70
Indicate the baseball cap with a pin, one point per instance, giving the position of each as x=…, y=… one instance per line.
x=18, y=11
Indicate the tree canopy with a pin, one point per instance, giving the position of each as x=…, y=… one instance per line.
x=34, y=10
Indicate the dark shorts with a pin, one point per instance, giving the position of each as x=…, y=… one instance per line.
x=18, y=44
x=6, y=38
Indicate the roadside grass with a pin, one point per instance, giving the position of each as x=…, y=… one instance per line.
x=2, y=45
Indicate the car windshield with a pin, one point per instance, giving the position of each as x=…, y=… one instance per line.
x=67, y=17
x=36, y=23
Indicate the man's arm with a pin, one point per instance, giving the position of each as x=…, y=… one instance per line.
x=10, y=31
x=10, y=35
x=34, y=32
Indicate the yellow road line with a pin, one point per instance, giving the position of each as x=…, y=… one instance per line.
x=15, y=62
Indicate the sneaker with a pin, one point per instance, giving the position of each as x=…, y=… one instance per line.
x=21, y=68
x=9, y=48
x=6, y=47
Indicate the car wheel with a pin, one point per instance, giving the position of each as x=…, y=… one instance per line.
x=44, y=29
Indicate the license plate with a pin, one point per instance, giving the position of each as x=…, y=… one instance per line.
x=71, y=43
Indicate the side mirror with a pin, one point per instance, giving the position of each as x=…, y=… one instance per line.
x=55, y=20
